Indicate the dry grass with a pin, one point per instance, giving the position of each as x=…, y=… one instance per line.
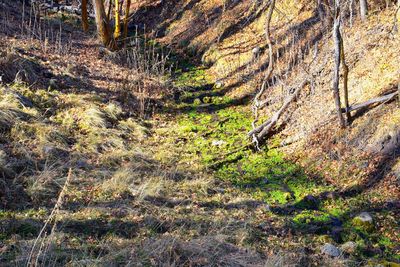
x=205, y=251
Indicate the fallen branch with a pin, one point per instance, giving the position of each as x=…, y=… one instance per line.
x=376, y=100
x=264, y=129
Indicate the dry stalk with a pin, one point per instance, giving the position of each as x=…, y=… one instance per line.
x=38, y=249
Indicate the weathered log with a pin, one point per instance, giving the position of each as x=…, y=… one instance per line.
x=376, y=100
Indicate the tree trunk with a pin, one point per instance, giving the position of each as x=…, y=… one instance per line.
x=270, y=69
x=345, y=79
x=398, y=90
x=103, y=25
x=109, y=10
x=363, y=9
x=127, y=9
x=336, y=71
x=85, y=22
x=117, y=30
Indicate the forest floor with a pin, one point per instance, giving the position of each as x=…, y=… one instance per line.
x=114, y=179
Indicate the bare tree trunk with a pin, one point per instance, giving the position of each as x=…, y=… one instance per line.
x=85, y=22
x=336, y=71
x=127, y=9
x=398, y=89
x=109, y=10
x=270, y=69
x=363, y=9
x=345, y=79
x=117, y=30
x=103, y=25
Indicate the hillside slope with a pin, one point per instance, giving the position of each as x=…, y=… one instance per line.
x=103, y=165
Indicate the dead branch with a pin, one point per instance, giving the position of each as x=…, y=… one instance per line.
x=381, y=99
x=263, y=130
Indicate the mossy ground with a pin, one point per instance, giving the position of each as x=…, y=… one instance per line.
x=212, y=137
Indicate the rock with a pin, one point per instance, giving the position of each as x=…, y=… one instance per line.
x=330, y=250
x=218, y=142
x=256, y=52
x=218, y=84
x=363, y=221
x=349, y=247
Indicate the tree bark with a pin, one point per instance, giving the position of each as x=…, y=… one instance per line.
x=127, y=9
x=336, y=71
x=117, y=30
x=85, y=22
x=270, y=51
x=398, y=89
x=345, y=79
x=109, y=10
x=102, y=23
x=363, y=9
x=270, y=69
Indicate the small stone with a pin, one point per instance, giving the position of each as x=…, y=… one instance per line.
x=218, y=142
x=218, y=84
x=330, y=250
x=349, y=247
x=256, y=51
x=363, y=221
